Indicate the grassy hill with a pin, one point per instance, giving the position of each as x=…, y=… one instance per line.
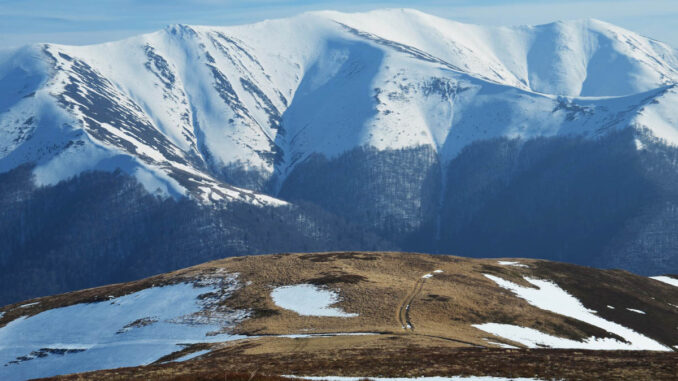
x=389, y=315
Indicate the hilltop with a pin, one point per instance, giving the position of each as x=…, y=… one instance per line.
x=353, y=314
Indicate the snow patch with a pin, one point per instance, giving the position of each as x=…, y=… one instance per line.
x=192, y=355
x=308, y=300
x=426, y=276
x=666, y=279
x=437, y=271
x=610, y=307
x=636, y=311
x=512, y=263
x=548, y=296
x=533, y=338
x=28, y=304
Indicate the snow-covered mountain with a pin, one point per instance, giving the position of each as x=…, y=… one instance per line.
x=553, y=141
x=190, y=106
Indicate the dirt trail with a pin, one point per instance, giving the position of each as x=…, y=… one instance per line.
x=404, y=310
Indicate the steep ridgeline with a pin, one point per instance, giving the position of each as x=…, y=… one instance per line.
x=552, y=141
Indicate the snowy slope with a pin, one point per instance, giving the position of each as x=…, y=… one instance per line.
x=548, y=296
x=189, y=109
x=299, y=304
x=308, y=300
x=130, y=330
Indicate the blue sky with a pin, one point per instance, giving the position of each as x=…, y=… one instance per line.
x=91, y=21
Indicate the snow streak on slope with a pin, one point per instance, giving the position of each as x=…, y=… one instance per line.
x=131, y=330
x=550, y=297
x=666, y=279
x=190, y=109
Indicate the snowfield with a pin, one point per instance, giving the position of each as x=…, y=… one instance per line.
x=308, y=300
x=186, y=103
x=548, y=296
x=130, y=330
x=192, y=355
x=512, y=263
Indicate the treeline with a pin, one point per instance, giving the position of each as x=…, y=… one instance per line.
x=100, y=228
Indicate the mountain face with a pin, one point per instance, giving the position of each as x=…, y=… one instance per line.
x=388, y=129
x=353, y=314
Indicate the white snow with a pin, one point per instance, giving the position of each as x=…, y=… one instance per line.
x=636, y=311
x=533, y=338
x=130, y=330
x=192, y=355
x=550, y=297
x=610, y=307
x=429, y=275
x=333, y=89
x=666, y=279
x=512, y=263
x=28, y=304
x=308, y=300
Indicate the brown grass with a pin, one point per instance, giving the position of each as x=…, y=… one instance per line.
x=375, y=285
x=402, y=356
x=442, y=309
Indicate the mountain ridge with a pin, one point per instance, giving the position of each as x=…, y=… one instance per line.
x=177, y=114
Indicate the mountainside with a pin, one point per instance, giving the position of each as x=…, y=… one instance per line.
x=224, y=100
x=353, y=314
x=387, y=129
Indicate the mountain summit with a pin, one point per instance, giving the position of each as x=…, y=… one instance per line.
x=378, y=130
x=190, y=107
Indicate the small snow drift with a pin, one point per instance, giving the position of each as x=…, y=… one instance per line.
x=550, y=297
x=666, y=279
x=308, y=300
x=135, y=329
x=430, y=275
x=512, y=263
